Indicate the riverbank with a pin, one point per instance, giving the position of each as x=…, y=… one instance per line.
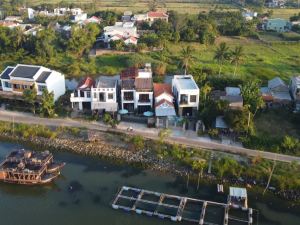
x=119, y=148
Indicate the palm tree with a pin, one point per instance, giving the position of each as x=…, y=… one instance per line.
x=221, y=55
x=199, y=166
x=186, y=58
x=237, y=57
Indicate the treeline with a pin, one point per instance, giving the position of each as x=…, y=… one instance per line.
x=204, y=28
x=47, y=46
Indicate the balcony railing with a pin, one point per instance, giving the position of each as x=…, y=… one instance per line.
x=183, y=102
x=144, y=100
x=128, y=98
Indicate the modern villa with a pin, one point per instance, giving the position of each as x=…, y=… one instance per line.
x=186, y=93
x=14, y=80
x=96, y=95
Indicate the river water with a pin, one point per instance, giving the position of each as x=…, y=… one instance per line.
x=95, y=183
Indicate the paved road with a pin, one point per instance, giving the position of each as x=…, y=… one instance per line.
x=19, y=117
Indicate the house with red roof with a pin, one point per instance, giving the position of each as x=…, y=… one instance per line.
x=153, y=16
x=163, y=102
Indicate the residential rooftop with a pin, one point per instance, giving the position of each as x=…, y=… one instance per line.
x=143, y=84
x=25, y=71
x=185, y=82
x=106, y=82
x=6, y=72
x=43, y=77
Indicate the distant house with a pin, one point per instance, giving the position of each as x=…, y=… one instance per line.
x=17, y=19
x=233, y=97
x=137, y=89
x=249, y=15
x=150, y=17
x=98, y=95
x=279, y=91
x=79, y=17
x=295, y=91
x=9, y=24
x=22, y=77
x=275, y=3
x=121, y=31
x=278, y=25
x=186, y=93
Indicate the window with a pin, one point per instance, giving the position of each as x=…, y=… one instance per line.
x=144, y=98
x=41, y=88
x=95, y=95
x=7, y=84
x=102, y=97
x=16, y=86
x=193, y=98
x=88, y=94
x=82, y=94
x=24, y=86
x=110, y=96
x=128, y=96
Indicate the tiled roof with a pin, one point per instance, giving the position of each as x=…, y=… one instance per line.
x=43, y=77
x=131, y=72
x=162, y=88
x=157, y=14
x=127, y=84
x=25, y=71
x=86, y=83
x=164, y=101
x=143, y=83
x=167, y=109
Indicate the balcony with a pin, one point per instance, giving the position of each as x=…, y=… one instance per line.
x=183, y=102
x=76, y=98
x=144, y=100
x=126, y=98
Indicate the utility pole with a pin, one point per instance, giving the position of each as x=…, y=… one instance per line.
x=271, y=174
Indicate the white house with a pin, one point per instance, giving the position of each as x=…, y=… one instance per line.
x=79, y=17
x=96, y=95
x=186, y=93
x=295, y=91
x=21, y=77
x=104, y=95
x=121, y=30
x=163, y=100
x=137, y=89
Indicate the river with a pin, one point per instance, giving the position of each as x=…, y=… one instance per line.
x=95, y=183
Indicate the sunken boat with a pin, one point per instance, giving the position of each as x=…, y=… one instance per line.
x=29, y=168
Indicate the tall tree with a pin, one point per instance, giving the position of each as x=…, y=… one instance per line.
x=199, y=165
x=47, y=103
x=29, y=96
x=250, y=92
x=187, y=57
x=237, y=57
x=221, y=55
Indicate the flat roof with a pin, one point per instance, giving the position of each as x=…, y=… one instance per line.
x=238, y=192
x=25, y=71
x=186, y=82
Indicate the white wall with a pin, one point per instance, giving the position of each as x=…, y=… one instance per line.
x=56, y=83
x=137, y=96
x=164, y=96
x=3, y=86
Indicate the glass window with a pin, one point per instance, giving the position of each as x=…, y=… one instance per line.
x=110, y=96
x=7, y=84
x=193, y=98
x=41, y=88
x=88, y=94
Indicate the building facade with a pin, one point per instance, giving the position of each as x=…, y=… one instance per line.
x=21, y=77
x=186, y=93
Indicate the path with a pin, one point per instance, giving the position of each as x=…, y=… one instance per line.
x=139, y=129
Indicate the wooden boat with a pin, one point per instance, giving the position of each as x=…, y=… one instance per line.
x=29, y=168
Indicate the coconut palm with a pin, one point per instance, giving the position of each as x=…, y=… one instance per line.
x=199, y=166
x=237, y=57
x=221, y=55
x=186, y=58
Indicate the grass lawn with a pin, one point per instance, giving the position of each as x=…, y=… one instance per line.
x=263, y=61
x=184, y=6
x=277, y=123
x=283, y=13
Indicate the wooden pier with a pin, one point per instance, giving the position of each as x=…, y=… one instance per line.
x=176, y=208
